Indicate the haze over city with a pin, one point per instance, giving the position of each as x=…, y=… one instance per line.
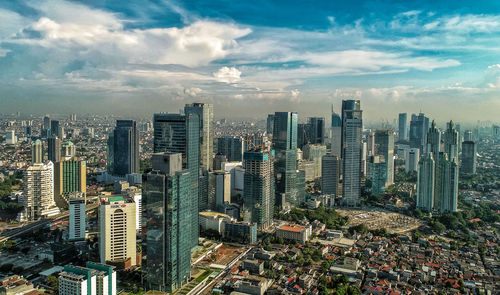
x=396, y=56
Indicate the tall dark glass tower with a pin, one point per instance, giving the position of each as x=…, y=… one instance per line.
x=419, y=125
x=54, y=149
x=125, y=148
x=403, y=127
x=177, y=133
x=205, y=113
x=166, y=216
x=285, y=146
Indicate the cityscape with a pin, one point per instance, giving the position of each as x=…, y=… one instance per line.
x=130, y=187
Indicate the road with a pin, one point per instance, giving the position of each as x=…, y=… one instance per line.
x=38, y=224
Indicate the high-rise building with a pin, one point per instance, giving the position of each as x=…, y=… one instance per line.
x=68, y=150
x=54, y=149
x=77, y=218
x=378, y=170
x=177, y=133
x=117, y=236
x=259, y=193
x=46, y=124
x=270, y=124
x=37, y=152
x=285, y=146
x=54, y=128
x=352, y=127
x=317, y=130
x=38, y=196
x=219, y=190
x=336, y=144
x=10, y=137
x=433, y=141
x=419, y=125
x=469, y=157
x=330, y=174
x=384, y=148
x=219, y=159
x=167, y=220
x=314, y=153
x=446, y=184
x=425, y=185
x=70, y=176
x=205, y=113
x=451, y=141
x=125, y=148
x=403, y=127
x=468, y=135
x=411, y=160
x=231, y=147
x=93, y=279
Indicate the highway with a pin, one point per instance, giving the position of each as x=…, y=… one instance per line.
x=12, y=233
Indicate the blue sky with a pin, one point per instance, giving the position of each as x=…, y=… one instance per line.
x=252, y=57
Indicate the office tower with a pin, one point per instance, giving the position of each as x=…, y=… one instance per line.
x=419, y=125
x=117, y=238
x=370, y=143
x=425, y=185
x=68, y=150
x=37, y=152
x=469, y=151
x=468, y=135
x=54, y=128
x=38, y=196
x=177, y=133
x=378, y=170
x=317, y=130
x=330, y=171
x=125, y=148
x=93, y=279
x=231, y=147
x=77, y=218
x=167, y=218
x=70, y=176
x=110, y=157
x=285, y=146
x=411, y=160
x=314, y=153
x=446, y=184
x=54, y=149
x=270, y=124
x=72, y=117
x=302, y=135
x=352, y=127
x=336, y=144
x=433, y=141
x=45, y=132
x=384, y=148
x=10, y=137
x=451, y=141
x=403, y=127
x=205, y=114
x=28, y=131
x=219, y=159
x=259, y=193
x=219, y=192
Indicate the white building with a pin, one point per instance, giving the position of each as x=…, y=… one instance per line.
x=38, y=196
x=10, y=137
x=296, y=232
x=138, y=211
x=213, y=221
x=412, y=158
x=94, y=279
x=76, y=218
x=237, y=176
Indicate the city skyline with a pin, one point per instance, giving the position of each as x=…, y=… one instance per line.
x=440, y=59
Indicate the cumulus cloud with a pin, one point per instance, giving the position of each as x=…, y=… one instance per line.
x=228, y=75
x=194, y=91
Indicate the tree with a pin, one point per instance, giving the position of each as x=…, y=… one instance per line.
x=438, y=227
x=53, y=282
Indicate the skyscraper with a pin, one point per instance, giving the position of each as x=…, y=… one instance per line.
x=446, y=184
x=38, y=195
x=425, y=185
x=468, y=135
x=37, y=152
x=403, y=127
x=117, y=237
x=469, y=158
x=419, y=125
x=336, y=144
x=285, y=146
x=68, y=150
x=411, y=160
x=231, y=147
x=167, y=214
x=317, y=130
x=70, y=176
x=54, y=149
x=259, y=193
x=205, y=114
x=125, y=148
x=451, y=141
x=77, y=218
x=177, y=133
x=378, y=170
x=219, y=192
x=270, y=123
x=330, y=174
x=54, y=128
x=352, y=127
x=384, y=148
x=45, y=132
x=433, y=141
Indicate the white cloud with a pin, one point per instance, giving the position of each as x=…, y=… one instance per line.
x=227, y=75
x=294, y=93
x=193, y=92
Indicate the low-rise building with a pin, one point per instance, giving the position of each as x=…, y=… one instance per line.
x=296, y=232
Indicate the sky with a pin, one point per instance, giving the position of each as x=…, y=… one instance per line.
x=250, y=58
